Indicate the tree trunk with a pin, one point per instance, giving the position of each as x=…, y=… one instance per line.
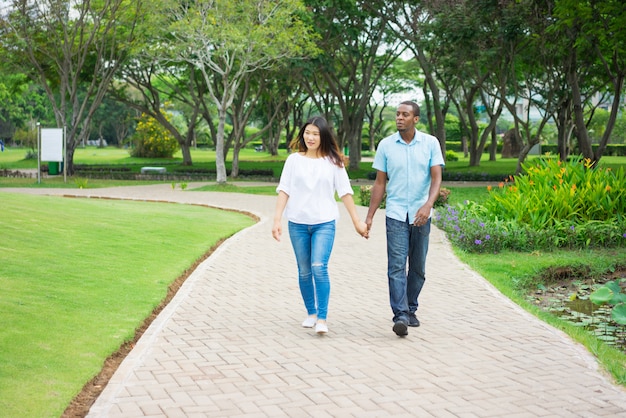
x=220, y=162
x=234, y=171
x=582, y=134
x=617, y=95
x=440, y=129
x=564, y=128
x=493, y=149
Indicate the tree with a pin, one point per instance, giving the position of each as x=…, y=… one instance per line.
x=265, y=97
x=358, y=47
x=113, y=121
x=400, y=77
x=72, y=49
x=148, y=84
x=22, y=104
x=226, y=41
x=410, y=21
x=598, y=43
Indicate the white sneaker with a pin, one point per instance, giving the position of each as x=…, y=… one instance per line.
x=321, y=327
x=309, y=322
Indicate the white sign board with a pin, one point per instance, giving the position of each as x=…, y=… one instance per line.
x=52, y=145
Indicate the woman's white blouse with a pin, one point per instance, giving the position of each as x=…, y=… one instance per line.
x=311, y=184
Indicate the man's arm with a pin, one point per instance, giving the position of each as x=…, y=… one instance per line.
x=376, y=196
x=423, y=213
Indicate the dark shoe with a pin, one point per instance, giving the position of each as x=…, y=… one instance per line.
x=413, y=321
x=400, y=328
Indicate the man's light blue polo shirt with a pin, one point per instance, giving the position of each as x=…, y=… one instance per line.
x=408, y=171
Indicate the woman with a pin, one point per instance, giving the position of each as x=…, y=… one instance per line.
x=306, y=194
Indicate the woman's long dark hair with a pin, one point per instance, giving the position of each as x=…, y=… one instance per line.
x=328, y=144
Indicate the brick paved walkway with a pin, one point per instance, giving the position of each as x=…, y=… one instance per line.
x=230, y=343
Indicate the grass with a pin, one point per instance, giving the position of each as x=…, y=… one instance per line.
x=78, y=276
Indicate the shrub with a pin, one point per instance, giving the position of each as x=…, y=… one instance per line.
x=365, y=193
x=552, y=191
x=451, y=156
x=152, y=140
x=566, y=205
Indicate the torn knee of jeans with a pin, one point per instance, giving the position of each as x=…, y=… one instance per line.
x=317, y=265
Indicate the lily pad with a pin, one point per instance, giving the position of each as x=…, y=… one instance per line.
x=602, y=295
x=619, y=313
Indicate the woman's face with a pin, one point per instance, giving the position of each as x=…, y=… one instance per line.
x=312, y=137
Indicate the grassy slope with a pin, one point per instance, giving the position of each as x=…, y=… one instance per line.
x=78, y=276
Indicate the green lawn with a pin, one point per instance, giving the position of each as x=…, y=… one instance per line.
x=78, y=276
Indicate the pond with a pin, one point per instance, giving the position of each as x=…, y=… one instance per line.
x=569, y=300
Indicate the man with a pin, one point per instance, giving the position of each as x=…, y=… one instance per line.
x=409, y=168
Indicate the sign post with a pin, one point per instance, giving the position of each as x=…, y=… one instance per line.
x=52, y=149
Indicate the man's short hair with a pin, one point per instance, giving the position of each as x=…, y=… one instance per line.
x=415, y=106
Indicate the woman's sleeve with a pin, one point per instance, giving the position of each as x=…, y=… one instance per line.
x=342, y=182
x=285, y=177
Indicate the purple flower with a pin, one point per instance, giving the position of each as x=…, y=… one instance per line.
x=478, y=242
x=487, y=236
x=482, y=224
x=572, y=228
x=624, y=235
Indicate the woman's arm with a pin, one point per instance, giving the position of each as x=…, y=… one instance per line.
x=281, y=202
x=359, y=225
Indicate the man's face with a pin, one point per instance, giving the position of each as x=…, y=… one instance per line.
x=405, y=119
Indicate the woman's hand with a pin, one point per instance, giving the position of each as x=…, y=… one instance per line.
x=362, y=229
x=277, y=230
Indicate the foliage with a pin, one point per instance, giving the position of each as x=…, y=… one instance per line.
x=566, y=205
x=453, y=128
x=451, y=156
x=152, y=140
x=72, y=50
x=81, y=183
x=611, y=293
x=552, y=193
x=365, y=195
x=227, y=42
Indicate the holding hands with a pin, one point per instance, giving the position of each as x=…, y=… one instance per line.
x=362, y=229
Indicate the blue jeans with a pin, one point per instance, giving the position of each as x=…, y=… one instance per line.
x=312, y=245
x=406, y=242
